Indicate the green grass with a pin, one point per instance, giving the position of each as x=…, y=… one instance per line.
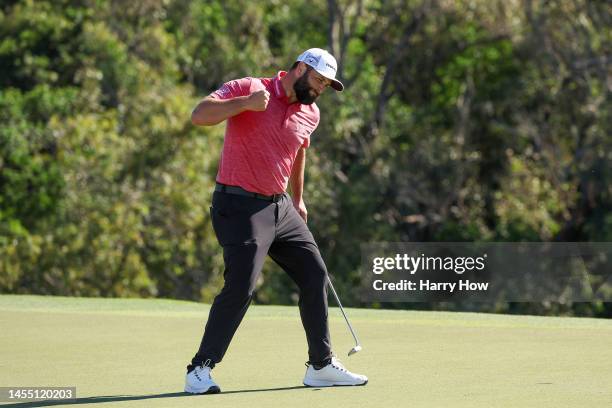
x=132, y=352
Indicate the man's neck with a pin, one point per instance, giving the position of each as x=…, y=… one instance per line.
x=287, y=84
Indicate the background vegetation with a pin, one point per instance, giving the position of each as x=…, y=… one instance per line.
x=466, y=120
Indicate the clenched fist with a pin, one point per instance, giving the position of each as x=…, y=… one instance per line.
x=258, y=101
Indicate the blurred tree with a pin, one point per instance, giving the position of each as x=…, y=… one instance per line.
x=461, y=121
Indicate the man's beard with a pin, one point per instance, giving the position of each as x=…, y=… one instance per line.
x=302, y=90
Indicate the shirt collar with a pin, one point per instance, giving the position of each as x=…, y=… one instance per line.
x=279, y=91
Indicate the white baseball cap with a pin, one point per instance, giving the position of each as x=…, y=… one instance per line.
x=324, y=63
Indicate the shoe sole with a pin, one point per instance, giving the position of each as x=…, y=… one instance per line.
x=211, y=390
x=319, y=384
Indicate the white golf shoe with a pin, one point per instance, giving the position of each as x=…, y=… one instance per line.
x=332, y=374
x=199, y=381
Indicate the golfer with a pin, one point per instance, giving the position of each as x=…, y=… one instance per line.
x=269, y=123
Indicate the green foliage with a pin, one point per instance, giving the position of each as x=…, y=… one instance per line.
x=461, y=121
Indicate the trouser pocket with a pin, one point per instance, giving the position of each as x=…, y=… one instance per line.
x=240, y=220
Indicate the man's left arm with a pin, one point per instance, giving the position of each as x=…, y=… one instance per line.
x=296, y=181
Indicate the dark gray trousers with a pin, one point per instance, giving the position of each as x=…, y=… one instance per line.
x=248, y=229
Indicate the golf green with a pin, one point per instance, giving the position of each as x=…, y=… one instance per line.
x=133, y=352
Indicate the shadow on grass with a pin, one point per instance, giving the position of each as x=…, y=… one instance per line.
x=120, y=398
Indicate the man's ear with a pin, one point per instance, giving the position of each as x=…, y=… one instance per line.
x=301, y=68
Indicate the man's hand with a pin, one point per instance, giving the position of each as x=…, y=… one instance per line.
x=211, y=111
x=258, y=101
x=301, y=209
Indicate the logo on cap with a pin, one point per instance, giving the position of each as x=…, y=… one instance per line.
x=311, y=59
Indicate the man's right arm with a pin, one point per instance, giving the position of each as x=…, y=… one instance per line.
x=211, y=111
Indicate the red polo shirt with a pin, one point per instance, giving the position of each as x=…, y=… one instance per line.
x=260, y=147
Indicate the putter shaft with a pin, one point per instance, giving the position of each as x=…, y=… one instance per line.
x=357, y=344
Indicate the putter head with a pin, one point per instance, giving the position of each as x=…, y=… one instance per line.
x=354, y=350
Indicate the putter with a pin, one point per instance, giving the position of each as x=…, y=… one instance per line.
x=357, y=344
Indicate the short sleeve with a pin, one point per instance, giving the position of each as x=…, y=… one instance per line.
x=232, y=89
x=314, y=121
